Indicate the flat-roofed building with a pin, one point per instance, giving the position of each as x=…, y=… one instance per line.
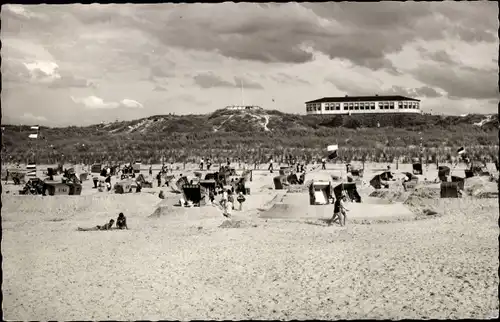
x=363, y=105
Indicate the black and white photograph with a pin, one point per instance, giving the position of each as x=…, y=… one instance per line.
x=250, y=161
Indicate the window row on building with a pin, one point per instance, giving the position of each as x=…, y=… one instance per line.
x=350, y=106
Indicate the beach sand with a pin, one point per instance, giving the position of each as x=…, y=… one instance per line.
x=191, y=263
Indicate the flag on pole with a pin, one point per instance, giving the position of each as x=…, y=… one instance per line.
x=33, y=136
x=461, y=150
x=332, y=151
x=35, y=127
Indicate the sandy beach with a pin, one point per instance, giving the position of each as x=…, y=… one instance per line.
x=191, y=263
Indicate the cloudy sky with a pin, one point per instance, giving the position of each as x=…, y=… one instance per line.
x=83, y=64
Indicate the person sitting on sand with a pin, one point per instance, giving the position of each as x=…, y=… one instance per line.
x=121, y=222
x=107, y=226
x=406, y=179
x=339, y=211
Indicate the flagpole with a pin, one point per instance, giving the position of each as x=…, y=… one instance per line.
x=36, y=145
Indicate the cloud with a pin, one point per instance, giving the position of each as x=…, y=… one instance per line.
x=130, y=103
x=465, y=82
x=356, y=84
x=424, y=91
x=21, y=12
x=439, y=56
x=209, y=80
x=340, y=30
x=161, y=72
x=159, y=88
x=43, y=70
x=39, y=72
x=247, y=83
x=94, y=102
x=52, y=52
x=71, y=81
x=28, y=117
x=283, y=78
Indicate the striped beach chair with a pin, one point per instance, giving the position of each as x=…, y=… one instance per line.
x=31, y=170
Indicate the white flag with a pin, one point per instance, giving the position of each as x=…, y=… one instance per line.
x=35, y=128
x=332, y=151
x=33, y=136
x=332, y=148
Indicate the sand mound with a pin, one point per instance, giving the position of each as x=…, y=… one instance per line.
x=481, y=187
x=276, y=199
x=285, y=210
x=235, y=224
x=40, y=208
x=183, y=213
x=281, y=209
x=297, y=189
x=423, y=199
x=390, y=195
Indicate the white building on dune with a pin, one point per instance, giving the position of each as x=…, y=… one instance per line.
x=363, y=105
x=243, y=107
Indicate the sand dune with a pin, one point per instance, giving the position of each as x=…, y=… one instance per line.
x=191, y=263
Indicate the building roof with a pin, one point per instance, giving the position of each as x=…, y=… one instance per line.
x=363, y=99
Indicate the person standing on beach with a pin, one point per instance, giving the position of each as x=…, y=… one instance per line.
x=229, y=204
x=211, y=196
x=230, y=197
x=340, y=210
x=108, y=182
x=201, y=164
x=158, y=178
x=224, y=198
x=241, y=199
